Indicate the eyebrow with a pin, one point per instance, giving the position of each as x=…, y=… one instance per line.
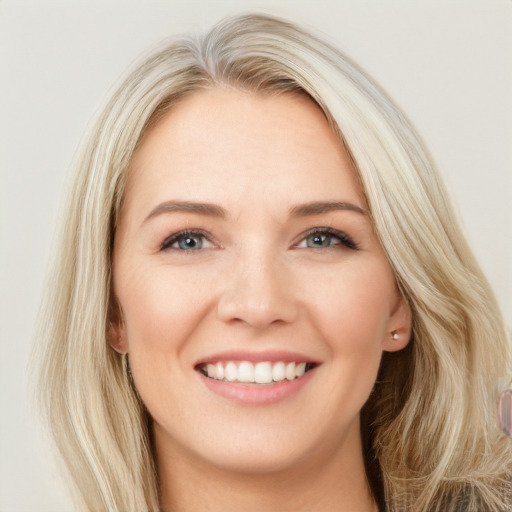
x=211, y=210
x=319, y=207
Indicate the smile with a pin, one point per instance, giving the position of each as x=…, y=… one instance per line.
x=264, y=372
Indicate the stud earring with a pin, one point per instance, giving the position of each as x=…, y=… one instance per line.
x=395, y=335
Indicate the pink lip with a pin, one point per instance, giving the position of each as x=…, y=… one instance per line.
x=256, y=394
x=257, y=357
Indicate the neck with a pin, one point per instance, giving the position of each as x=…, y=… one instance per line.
x=334, y=481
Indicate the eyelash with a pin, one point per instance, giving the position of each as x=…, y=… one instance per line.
x=330, y=232
x=192, y=233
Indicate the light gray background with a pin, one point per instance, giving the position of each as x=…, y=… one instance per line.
x=448, y=64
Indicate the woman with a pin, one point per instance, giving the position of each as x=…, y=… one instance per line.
x=263, y=298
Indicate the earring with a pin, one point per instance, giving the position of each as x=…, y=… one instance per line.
x=395, y=335
x=505, y=411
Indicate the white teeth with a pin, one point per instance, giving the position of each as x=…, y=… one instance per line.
x=259, y=373
x=220, y=371
x=278, y=372
x=231, y=372
x=246, y=372
x=300, y=369
x=290, y=371
x=263, y=373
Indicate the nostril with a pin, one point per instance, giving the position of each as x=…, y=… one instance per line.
x=258, y=314
x=257, y=291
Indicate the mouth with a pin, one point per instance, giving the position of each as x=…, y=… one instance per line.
x=255, y=374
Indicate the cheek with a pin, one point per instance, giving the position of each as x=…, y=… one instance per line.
x=160, y=310
x=355, y=312
x=353, y=320
x=161, y=313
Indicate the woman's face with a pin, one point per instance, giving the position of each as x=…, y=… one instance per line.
x=244, y=252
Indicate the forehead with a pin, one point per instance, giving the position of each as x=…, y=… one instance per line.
x=235, y=147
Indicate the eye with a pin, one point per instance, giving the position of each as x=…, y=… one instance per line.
x=325, y=238
x=186, y=241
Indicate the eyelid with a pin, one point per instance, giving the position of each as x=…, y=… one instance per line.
x=344, y=239
x=173, y=238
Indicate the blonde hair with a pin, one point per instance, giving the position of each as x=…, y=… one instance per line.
x=431, y=441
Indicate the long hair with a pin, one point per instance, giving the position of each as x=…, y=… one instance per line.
x=430, y=439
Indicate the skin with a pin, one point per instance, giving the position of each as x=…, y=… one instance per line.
x=258, y=283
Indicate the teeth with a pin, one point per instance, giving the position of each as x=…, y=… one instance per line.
x=231, y=372
x=290, y=371
x=246, y=372
x=278, y=372
x=262, y=373
x=259, y=373
x=219, y=371
x=300, y=369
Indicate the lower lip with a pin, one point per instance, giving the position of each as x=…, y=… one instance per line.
x=263, y=394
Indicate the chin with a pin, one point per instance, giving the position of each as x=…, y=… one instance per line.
x=265, y=447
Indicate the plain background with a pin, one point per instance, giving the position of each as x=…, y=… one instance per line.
x=447, y=63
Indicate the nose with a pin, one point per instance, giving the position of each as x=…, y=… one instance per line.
x=258, y=292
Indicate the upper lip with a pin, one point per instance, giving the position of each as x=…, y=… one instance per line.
x=257, y=357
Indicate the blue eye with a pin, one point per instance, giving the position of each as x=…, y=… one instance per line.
x=186, y=241
x=320, y=241
x=325, y=238
x=190, y=243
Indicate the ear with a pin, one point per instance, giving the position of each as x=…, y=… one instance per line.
x=117, y=331
x=399, y=326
